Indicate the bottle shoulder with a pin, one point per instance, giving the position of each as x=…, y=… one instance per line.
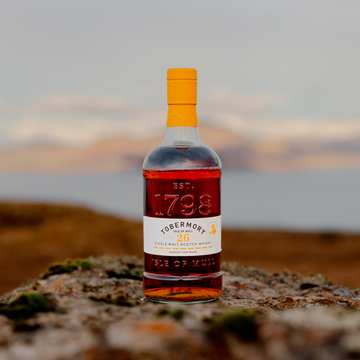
x=169, y=157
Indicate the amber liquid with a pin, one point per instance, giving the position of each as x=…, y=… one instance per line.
x=182, y=278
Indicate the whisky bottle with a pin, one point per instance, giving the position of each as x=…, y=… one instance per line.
x=182, y=221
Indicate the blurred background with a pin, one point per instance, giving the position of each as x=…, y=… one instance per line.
x=83, y=99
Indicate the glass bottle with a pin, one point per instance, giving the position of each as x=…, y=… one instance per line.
x=182, y=221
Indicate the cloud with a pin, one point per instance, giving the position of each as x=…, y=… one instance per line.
x=79, y=120
x=246, y=115
x=82, y=120
x=74, y=131
x=291, y=129
x=75, y=104
x=225, y=98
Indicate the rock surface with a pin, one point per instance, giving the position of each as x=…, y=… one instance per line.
x=98, y=312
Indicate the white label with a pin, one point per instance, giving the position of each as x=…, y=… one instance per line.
x=182, y=237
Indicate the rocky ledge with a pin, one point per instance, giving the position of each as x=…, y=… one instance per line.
x=94, y=309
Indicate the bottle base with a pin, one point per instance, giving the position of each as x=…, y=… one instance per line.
x=183, y=289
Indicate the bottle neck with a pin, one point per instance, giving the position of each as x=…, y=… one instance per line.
x=182, y=128
x=181, y=115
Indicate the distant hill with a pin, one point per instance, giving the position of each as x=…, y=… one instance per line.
x=120, y=154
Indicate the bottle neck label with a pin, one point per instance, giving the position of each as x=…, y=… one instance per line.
x=182, y=116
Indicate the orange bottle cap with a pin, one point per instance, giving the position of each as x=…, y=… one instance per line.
x=182, y=86
x=181, y=97
x=182, y=74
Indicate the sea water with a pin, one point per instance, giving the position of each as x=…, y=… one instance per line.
x=317, y=200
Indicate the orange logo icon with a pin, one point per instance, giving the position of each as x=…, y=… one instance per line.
x=213, y=231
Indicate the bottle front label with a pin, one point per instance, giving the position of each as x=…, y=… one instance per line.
x=182, y=237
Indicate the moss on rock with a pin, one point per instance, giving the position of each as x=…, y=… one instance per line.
x=25, y=306
x=126, y=274
x=68, y=266
x=241, y=323
x=119, y=299
x=177, y=314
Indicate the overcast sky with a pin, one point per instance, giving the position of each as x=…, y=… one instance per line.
x=73, y=71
